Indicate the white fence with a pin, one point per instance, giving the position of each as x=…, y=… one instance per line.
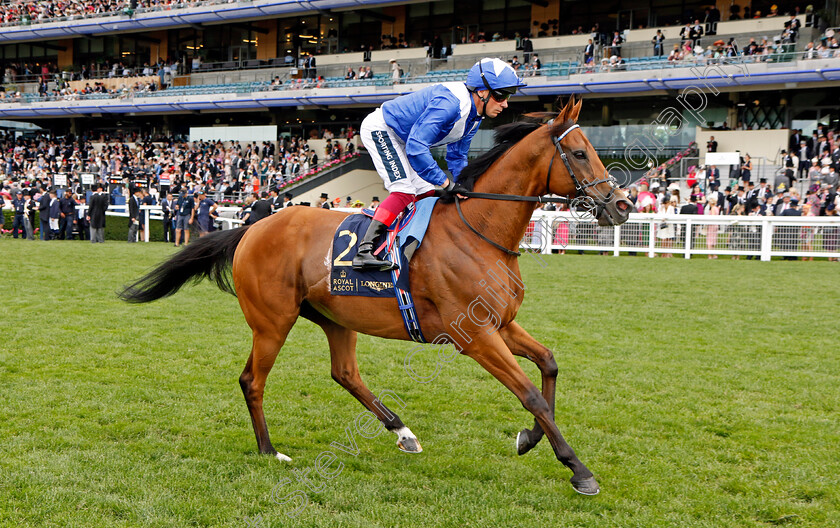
x=760, y=236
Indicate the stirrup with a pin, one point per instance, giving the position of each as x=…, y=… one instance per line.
x=365, y=260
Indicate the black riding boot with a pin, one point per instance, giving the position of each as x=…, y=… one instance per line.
x=365, y=259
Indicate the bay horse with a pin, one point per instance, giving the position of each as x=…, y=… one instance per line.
x=281, y=271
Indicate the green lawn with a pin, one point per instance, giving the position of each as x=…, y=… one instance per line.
x=700, y=393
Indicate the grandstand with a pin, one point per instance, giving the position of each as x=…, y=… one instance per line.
x=104, y=70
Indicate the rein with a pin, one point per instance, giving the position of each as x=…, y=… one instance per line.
x=581, y=196
x=484, y=238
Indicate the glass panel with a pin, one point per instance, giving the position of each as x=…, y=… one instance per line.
x=419, y=10
x=444, y=8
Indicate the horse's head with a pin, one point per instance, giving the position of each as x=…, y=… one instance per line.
x=576, y=171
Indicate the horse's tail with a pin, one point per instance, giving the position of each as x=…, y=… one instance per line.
x=209, y=257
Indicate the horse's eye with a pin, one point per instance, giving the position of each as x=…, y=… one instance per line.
x=579, y=154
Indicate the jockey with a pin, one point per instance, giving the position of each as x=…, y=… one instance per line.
x=400, y=134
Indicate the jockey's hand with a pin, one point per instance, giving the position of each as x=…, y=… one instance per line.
x=452, y=187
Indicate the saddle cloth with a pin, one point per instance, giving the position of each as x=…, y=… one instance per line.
x=399, y=244
x=405, y=236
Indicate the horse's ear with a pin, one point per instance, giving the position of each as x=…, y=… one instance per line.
x=564, y=112
x=575, y=113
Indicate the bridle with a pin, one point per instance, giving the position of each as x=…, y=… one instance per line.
x=581, y=200
x=580, y=190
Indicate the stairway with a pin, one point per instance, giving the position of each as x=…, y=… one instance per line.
x=358, y=162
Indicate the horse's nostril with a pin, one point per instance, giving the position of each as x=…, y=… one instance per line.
x=623, y=205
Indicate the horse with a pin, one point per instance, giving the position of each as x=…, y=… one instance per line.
x=280, y=271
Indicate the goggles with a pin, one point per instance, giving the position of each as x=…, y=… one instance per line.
x=500, y=96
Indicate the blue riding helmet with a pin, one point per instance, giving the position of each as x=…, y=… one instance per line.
x=496, y=76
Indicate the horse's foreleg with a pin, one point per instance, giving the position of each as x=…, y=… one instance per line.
x=345, y=371
x=263, y=353
x=522, y=344
x=496, y=358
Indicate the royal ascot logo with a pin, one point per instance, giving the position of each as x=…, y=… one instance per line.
x=343, y=274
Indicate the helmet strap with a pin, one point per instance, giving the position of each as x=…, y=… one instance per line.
x=483, y=100
x=489, y=89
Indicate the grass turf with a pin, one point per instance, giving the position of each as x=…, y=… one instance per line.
x=701, y=394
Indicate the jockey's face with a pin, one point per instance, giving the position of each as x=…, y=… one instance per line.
x=493, y=108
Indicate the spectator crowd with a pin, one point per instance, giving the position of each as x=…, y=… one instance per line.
x=225, y=172
x=24, y=12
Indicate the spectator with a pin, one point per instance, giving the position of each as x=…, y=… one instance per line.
x=54, y=215
x=712, y=208
x=260, y=209
x=658, y=40
x=666, y=231
x=29, y=217
x=311, y=70
x=527, y=49
x=96, y=214
x=134, y=203
x=615, y=45
x=746, y=169
x=396, y=71
x=67, y=216
x=186, y=214
x=166, y=209
x=324, y=201
x=711, y=145
x=695, y=33
x=437, y=47
x=44, y=216
x=712, y=178
x=19, y=210
x=676, y=53
x=686, y=34
x=589, y=52
x=691, y=207
x=205, y=216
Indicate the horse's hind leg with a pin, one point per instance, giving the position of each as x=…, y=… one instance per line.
x=522, y=344
x=263, y=353
x=345, y=370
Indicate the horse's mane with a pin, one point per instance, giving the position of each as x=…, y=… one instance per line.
x=505, y=137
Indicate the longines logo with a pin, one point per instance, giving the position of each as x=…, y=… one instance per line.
x=376, y=285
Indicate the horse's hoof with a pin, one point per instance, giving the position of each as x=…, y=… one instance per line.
x=409, y=445
x=523, y=442
x=587, y=486
x=407, y=442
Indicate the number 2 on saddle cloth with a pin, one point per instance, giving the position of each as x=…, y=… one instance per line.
x=401, y=240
